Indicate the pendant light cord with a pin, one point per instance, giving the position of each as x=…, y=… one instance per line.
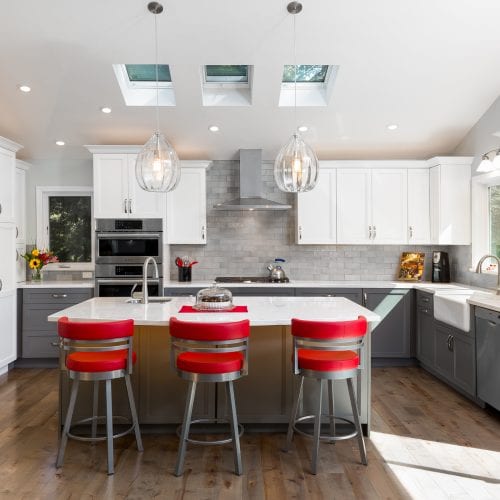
x=157, y=78
x=294, y=77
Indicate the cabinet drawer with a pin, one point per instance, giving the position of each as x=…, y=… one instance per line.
x=35, y=317
x=54, y=296
x=40, y=346
x=353, y=294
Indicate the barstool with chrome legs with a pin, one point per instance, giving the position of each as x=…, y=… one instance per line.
x=209, y=352
x=97, y=351
x=327, y=351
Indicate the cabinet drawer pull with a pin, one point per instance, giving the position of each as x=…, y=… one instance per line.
x=329, y=295
x=125, y=205
x=203, y=232
x=55, y=344
x=492, y=323
x=59, y=295
x=365, y=298
x=300, y=232
x=130, y=205
x=425, y=299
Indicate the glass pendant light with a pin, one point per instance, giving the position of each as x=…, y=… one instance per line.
x=487, y=164
x=157, y=167
x=296, y=167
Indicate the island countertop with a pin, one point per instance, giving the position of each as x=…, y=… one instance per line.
x=262, y=311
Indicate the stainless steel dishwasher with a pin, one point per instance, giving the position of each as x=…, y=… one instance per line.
x=488, y=356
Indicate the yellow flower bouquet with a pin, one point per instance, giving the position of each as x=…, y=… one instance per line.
x=36, y=259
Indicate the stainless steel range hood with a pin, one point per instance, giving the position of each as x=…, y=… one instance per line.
x=251, y=186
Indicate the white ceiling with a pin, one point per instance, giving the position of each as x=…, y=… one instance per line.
x=432, y=67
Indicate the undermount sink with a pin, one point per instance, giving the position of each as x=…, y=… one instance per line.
x=451, y=307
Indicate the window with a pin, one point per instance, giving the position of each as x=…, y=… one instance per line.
x=64, y=225
x=147, y=73
x=494, y=220
x=226, y=74
x=306, y=73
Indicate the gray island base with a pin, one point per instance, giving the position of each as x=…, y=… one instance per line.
x=264, y=397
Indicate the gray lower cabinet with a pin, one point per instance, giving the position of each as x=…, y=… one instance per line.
x=455, y=357
x=426, y=347
x=181, y=291
x=354, y=294
x=391, y=337
x=38, y=336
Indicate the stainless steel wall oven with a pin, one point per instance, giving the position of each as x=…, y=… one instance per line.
x=122, y=245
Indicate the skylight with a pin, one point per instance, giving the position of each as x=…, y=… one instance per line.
x=314, y=84
x=138, y=84
x=226, y=84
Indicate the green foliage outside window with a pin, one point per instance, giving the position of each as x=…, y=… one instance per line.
x=306, y=73
x=70, y=228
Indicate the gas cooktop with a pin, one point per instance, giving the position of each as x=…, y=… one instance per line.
x=248, y=279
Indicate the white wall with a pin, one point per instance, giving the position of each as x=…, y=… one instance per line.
x=52, y=173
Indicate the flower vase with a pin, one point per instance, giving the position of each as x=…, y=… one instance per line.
x=36, y=275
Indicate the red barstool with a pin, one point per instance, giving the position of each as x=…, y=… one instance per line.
x=327, y=351
x=95, y=351
x=209, y=352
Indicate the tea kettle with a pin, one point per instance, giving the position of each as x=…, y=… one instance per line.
x=276, y=272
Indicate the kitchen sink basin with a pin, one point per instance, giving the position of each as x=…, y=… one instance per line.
x=451, y=307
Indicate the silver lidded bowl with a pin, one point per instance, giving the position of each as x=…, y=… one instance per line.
x=214, y=298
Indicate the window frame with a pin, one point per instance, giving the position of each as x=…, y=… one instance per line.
x=42, y=223
x=227, y=84
x=133, y=85
x=308, y=85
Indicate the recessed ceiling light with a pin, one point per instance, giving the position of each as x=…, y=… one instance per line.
x=24, y=88
x=106, y=110
x=213, y=128
x=60, y=143
x=392, y=126
x=302, y=128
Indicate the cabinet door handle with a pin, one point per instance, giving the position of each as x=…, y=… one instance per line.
x=125, y=205
x=365, y=298
x=130, y=205
x=374, y=232
x=452, y=342
x=492, y=323
x=329, y=295
x=17, y=255
x=55, y=344
x=448, y=341
x=1, y=284
x=59, y=295
x=17, y=232
x=411, y=231
x=425, y=299
x=300, y=232
x=0, y=208
x=203, y=232
x=369, y=232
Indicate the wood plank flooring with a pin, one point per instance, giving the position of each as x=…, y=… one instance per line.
x=428, y=442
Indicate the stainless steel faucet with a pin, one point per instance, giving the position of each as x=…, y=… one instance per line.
x=480, y=265
x=145, y=298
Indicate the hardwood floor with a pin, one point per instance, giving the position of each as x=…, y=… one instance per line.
x=427, y=442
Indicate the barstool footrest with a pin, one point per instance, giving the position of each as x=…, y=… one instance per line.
x=211, y=421
x=325, y=437
x=101, y=418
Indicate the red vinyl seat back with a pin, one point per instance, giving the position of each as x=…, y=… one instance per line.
x=95, y=330
x=329, y=330
x=209, y=331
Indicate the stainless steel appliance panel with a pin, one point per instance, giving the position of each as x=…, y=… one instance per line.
x=123, y=288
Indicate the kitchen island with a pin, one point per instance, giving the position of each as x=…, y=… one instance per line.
x=264, y=397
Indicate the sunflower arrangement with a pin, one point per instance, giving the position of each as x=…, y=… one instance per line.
x=36, y=259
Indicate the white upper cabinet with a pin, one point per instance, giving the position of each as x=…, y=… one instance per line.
x=450, y=186
x=7, y=185
x=20, y=201
x=7, y=257
x=117, y=193
x=353, y=206
x=317, y=210
x=187, y=206
x=419, y=230
x=371, y=206
x=20, y=263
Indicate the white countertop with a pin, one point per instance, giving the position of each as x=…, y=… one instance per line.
x=486, y=300
x=262, y=311
x=56, y=284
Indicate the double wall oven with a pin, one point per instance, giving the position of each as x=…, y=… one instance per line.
x=122, y=245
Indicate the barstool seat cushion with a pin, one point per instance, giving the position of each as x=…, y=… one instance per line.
x=98, y=361
x=199, y=362
x=326, y=361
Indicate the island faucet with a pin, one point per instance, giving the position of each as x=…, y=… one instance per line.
x=480, y=264
x=145, y=299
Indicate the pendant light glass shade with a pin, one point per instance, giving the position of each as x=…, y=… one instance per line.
x=296, y=167
x=157, y=167
x=486, y=165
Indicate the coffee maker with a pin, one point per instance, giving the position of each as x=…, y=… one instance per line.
x=440, y=267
